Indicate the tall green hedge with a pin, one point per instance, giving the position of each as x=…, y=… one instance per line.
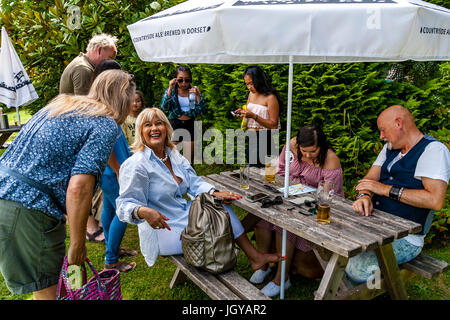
x=344, y=99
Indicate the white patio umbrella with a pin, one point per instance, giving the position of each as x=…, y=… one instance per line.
x=294, y=31
x=16, y=88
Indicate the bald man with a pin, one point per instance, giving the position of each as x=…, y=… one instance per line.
x=408, y=179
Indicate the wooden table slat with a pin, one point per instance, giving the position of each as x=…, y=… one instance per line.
x=296, y=225
x=411, y=226
x=339, y=228
x=388, y=221
x=356, y=221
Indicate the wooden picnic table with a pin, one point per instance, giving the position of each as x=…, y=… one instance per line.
x=6, y=133
x=347, y=235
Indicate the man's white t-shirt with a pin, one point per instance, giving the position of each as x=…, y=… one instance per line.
x=434, y=163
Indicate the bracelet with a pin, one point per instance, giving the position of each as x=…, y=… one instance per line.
x=134, y=214
x=211, y=192
x=400, y=193
x=362, y=194
x=394, y=193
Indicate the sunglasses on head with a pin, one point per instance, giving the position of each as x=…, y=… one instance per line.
x=265, y=203
x=181, y=80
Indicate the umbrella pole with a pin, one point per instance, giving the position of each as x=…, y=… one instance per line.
x=18, y=116
x=286, y=172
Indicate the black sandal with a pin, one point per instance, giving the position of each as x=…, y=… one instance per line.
x=126, y=253
x=92, y=236
x=121, y=266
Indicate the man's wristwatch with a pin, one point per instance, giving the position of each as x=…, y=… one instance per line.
x=362, y=194
x=395, y=192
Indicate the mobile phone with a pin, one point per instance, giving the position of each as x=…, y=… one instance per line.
x=236, y=175
x=257, y=197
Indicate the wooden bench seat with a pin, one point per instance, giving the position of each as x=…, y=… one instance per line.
x=423, y=265
x=426, y=266
x=225, y=286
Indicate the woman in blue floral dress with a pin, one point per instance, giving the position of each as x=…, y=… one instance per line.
x=49, y=172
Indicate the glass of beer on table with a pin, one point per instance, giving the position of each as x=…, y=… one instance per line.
x=324, y=197
x=271, y=163
x=244, y=176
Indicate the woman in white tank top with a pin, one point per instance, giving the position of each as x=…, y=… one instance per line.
x=263, y=109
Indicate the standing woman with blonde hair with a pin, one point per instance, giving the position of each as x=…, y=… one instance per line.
x=51, y=170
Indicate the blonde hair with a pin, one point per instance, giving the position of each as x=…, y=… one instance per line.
x=111, y=95
x=148, y=115
x=101, y=40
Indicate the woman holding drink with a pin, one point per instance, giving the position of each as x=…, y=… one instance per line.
x=312, y=159
x=184, y=103
x=262, y=112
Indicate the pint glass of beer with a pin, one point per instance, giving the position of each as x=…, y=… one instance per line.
x=324, y=197
x=271, y=164
x=244, y=176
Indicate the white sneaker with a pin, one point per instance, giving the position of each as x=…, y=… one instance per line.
x=271, y=289
x=259, y=275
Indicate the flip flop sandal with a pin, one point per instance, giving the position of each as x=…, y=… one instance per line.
x=123, y=267
x=126, y=253
x=92, y=236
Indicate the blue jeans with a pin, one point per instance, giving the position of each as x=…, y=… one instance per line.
x=113, y=228
x=362, y=266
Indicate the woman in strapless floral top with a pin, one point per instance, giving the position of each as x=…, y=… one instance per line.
x=263, y=109
x=312, y=159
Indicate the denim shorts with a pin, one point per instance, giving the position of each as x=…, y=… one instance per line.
x=32, y=248
x=361, y=267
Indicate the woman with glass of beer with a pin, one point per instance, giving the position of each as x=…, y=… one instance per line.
x=312, y=159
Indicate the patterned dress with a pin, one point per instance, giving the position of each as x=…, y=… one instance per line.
x=304, y=173
x=50, y=151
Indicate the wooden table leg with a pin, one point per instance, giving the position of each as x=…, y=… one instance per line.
x=391, y=272
x=332, y=277
x=4, y=137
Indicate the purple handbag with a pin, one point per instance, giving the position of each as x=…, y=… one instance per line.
x=102, y=286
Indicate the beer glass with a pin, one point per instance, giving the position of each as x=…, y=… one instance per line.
x=271, y=164
x=324, y=197
x=244, y=176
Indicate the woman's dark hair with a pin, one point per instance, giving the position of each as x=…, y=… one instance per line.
x=141, y=95
x=181, y=68
x=261, y=81
x=106, y=64
x=311, y=135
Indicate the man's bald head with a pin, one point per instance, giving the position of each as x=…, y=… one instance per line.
x=396, y=111
x=396, y=125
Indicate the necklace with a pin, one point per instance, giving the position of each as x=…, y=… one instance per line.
x=165, y=157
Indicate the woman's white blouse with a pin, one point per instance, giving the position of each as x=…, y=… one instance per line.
x=145, y=181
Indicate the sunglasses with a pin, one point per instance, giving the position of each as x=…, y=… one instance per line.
x=272, y=189
x=181, y=80
x=266, y=202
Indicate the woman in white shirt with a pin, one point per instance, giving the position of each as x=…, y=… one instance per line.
x=152, y=184
x=263, y=110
